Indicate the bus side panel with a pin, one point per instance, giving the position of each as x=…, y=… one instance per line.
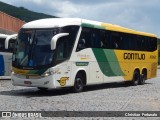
x=7, y=63
x=109, y=65
x=63, y=74
x=96, y=75
x=1, y=66
x=131, y=60
x=84, y=60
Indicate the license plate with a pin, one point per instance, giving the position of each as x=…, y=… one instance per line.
x=27, y=82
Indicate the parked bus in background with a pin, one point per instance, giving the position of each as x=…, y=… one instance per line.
x=73, y=52
x=6, y=48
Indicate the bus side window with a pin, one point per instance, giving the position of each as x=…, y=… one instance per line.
x=95, y=38
x=84, y=41
x=129, y=38
x=148, y=46
x=61, y=50
x=138, y=43
x=116, y=40
x=72, y=30
x=11, y=45
x=60, y=54
x=2, y=45
x=144, y=44
x=105, y=39
x=132, y=42
x=125, y=41
x=153, y=44
x=81, y=44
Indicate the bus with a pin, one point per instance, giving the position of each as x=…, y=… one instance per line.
x=6, y=48
x=158, y=44
x=75, y=52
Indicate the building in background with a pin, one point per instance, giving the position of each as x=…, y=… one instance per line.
x=9, y=25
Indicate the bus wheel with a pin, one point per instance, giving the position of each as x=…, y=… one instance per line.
x=42, y=88
x=78, y=84
x=143, y=78
x=136, y=78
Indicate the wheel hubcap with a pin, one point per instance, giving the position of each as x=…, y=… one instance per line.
x=136, y=78
x=78, y=83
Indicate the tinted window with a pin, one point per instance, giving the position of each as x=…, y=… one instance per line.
x=117, y=40
x=85, y=39
x=105, y=39
x=2, y=47
x=65, y=44
x=96, y=38
x=11, y=45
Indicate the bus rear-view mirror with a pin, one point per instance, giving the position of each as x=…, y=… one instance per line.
x=55, y=39
x=14, y=36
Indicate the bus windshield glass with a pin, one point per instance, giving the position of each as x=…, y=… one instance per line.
x=33, y=48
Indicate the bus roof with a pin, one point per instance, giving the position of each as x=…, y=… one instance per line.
x=13, y=36
x=60, y=22
x=3, y=36
x=52, y=22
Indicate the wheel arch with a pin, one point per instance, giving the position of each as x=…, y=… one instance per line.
x=82, y=72
x=144, y=69
x=137, y=69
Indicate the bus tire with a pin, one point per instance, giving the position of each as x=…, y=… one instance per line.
x=42, y=88
x=136, y=78
x=143, y=77
x=78, y=83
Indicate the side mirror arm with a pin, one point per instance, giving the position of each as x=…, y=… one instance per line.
x=55, y=39
x=8, y=39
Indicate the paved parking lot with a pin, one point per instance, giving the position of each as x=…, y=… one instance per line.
x=108, y=97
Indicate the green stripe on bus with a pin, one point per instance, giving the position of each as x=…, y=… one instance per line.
x=92, y=26
x=37, y=72
x=108, y=62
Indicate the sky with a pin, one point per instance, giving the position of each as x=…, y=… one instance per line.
x=142, y=15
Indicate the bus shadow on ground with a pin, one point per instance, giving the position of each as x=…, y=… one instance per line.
x=34, y=92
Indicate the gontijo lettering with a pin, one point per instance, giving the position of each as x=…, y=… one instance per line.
x=134, y=56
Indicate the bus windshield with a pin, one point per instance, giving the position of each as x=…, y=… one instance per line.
x=33, y=48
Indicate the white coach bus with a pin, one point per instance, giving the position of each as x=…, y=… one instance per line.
x=73, y=52
x=6, y=48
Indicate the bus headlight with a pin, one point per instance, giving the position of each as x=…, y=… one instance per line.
x=12, y=72
x=46, y=74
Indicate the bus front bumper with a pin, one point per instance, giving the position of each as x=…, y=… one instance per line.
x=21, y=80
